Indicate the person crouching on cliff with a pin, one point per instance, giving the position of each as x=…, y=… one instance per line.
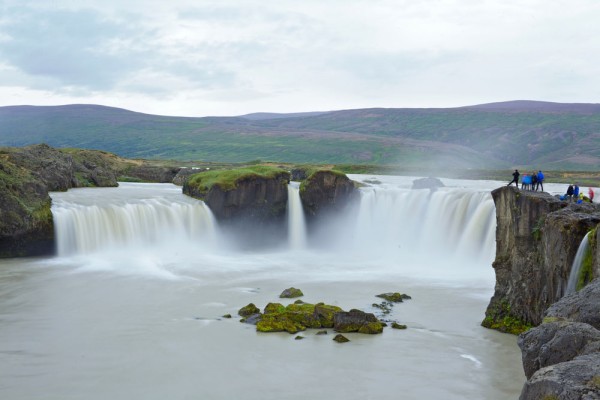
x=515, y=178
x=570, y=193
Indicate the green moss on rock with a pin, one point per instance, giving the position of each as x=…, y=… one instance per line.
x=248, y=310
x=501, y=319
x=291, y=293
x=341, y=338
x=396, y=325
x=394, y=297
x=371, y=328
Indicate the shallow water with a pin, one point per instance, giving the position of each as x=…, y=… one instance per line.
x=144, y=321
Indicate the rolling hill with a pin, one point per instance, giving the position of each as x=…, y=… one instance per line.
x=497, y=135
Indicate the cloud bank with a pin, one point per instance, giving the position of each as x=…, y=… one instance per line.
x=233, y=57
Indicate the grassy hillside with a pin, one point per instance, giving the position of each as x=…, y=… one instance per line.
x=493, y=136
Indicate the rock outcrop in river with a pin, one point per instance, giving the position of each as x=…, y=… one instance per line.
x=325, y=191
x=537, y=236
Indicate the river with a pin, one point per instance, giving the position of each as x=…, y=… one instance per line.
x=132, y=305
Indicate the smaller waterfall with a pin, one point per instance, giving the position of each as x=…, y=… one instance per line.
x=296, y=221
x=577, y=263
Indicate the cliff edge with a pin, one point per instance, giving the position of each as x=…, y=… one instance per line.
x=537, y=237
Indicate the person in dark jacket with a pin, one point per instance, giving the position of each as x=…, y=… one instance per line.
x=540, y=180
x=533, y=181
x=570, y=193
x=515, y=178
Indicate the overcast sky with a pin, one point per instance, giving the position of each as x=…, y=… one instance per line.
x=226, y=57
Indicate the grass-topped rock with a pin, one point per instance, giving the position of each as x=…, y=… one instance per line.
x=257, y=193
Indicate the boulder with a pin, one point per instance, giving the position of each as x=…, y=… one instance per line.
x=556, y=342
x=394, y=297
x=151, y=173
x=581, y=306
x=341, y=338
x=572, y=380
x=356, y=321
x=291, y=293
x=248, y=310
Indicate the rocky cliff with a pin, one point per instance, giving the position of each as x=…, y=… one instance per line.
x=537, y=237
x=325, y=191
x=561, y=357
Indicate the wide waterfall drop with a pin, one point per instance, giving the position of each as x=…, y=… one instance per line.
x=132, y=227
x=577, y=263
x=296, y=220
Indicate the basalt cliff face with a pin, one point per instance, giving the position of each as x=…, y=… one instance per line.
x=537, y=237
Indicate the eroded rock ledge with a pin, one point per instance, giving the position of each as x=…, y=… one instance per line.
x=537, y=237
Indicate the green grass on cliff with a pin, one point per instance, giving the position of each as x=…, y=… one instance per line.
x=227, y=179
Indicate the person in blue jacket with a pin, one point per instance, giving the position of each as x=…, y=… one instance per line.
x=540, y=180
x=576, y=191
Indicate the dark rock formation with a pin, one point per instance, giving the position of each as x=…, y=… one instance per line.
x=248, y=310
x=341, y=338
x=582, y=306
x=537, y=237
x=325, y=191
x=291, y=293
x=253, y=198
x=26, y=225
x=356, y=321
x=578, y=379
x=396, y=325
x=394, y=297
x=53, y=167
x=556, y=342
x=561, y=357
x=427, y=183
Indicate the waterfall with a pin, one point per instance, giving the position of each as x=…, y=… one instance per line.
x=449, y=223
x=577, y=263
x=296, y=221
x=84, y=225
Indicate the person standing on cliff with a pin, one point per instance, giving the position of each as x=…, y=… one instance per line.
x=540, y=180
x=515, y=178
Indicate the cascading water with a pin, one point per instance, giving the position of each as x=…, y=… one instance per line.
x=296, y=221
x=133, y=218
x=577, y=263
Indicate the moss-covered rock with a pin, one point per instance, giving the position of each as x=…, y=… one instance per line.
x=341, y=338
x=355, y=320
x=291, y=293
x=396, y=325
x=394, y=297
x=296, y=317
x=274, y=308
x=248, y=310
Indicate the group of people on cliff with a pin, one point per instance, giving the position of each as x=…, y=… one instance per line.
x=574, y=194
x=533, y=181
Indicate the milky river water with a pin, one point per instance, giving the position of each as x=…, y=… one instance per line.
x=132, y=305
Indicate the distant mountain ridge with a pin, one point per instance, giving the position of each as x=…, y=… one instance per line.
x=496, y=135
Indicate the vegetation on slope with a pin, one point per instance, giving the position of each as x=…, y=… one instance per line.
x=501, y=136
